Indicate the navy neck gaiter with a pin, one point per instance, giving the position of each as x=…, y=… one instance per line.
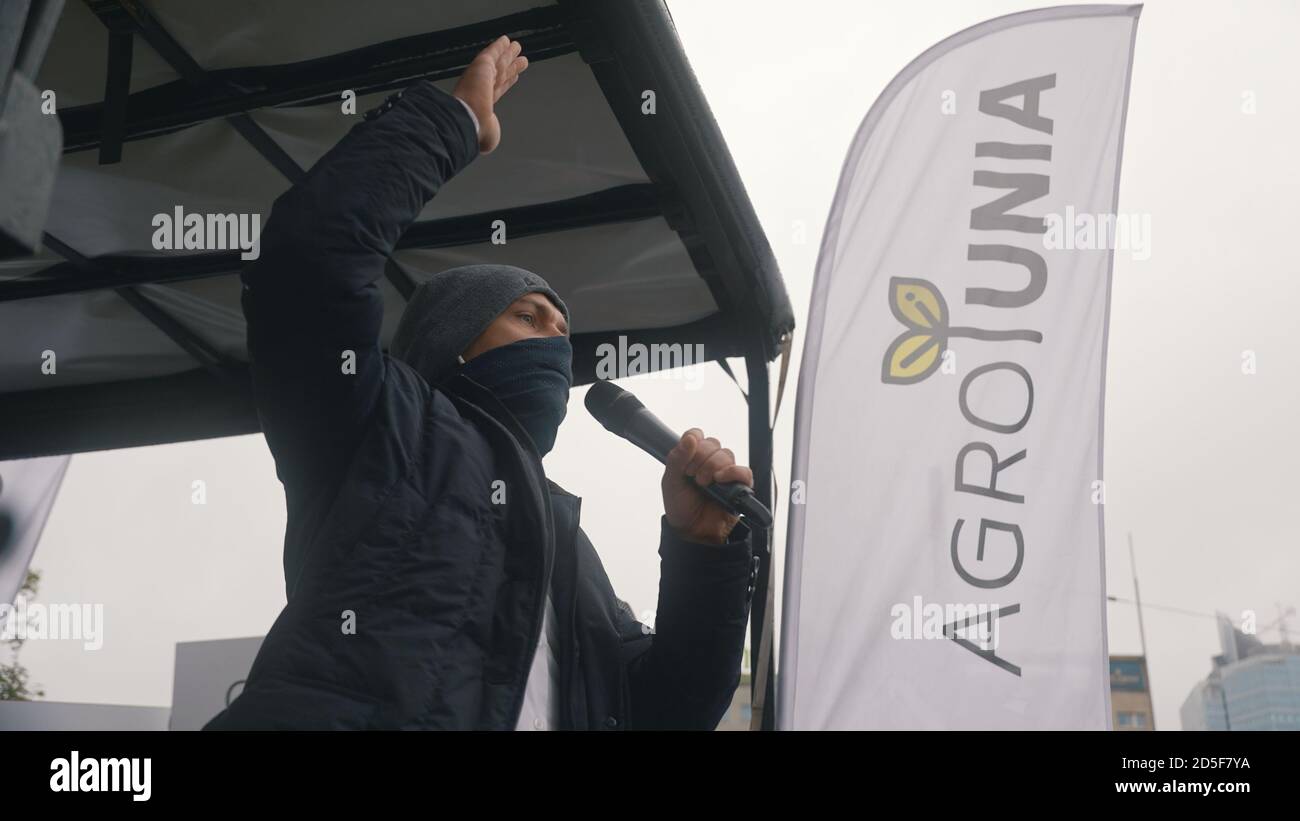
x=531, y=378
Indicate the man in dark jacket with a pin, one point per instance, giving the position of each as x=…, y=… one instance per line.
x=434, y=577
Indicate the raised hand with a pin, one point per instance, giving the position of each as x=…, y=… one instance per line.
x=490, y=75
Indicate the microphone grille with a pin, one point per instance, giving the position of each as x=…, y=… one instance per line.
x=612, y=406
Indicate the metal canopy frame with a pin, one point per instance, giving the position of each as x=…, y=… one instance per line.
x=693, y=186
x=629, y=45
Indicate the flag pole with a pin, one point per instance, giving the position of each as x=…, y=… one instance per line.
x=1142, y=633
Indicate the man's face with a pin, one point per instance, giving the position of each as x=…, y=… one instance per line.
x=531, y=316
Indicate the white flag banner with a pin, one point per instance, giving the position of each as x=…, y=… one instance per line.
x=945, y=553
x=28, y=488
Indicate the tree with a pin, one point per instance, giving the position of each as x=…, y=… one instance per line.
x=13, y=676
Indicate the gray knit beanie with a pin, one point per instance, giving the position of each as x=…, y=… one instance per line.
x=450, y=310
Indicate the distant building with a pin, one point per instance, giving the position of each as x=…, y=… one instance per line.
x=65, y=715
x=1205, y=707
x=1130, y=694
x=208, y=676
x=1252, y=686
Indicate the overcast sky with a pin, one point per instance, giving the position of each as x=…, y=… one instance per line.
x=1200, y=458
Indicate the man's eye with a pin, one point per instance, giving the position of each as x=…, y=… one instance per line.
x=528, y=318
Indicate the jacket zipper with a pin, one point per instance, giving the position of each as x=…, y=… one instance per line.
x=529, y=454
x=544, y=587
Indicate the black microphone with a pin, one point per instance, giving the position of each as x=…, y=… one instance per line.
x=623, y=415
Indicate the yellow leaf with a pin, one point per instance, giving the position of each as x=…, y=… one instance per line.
x=911, y=358
x=917, y=304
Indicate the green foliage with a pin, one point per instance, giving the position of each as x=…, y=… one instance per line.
x=13, y=676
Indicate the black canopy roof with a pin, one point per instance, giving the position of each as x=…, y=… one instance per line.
x=637, y=217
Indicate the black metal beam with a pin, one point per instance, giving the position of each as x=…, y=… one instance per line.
x=186, y=339
x=193, y=405
x=123, y=17
x=211, y=360
x=117, y=90
x=265, y=145
x=402, y=278
x=623, y=203
x=126, y=414
x=436, y=55
x=716, y=337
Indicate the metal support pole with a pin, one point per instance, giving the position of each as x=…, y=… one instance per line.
x=762, y=681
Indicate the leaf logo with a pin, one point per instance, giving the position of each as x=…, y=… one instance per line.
x=918, y=352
